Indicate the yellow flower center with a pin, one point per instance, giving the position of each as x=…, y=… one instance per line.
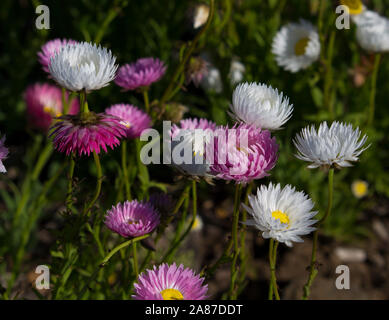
x=300, y=46
x=50, y=110
x=354, y=6
x=359, y=188
x=280, y=216
x=126, y=124
x=172, y=294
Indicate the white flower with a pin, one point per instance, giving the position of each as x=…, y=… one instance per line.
x=335, y=146
x=212, y=80
x=83, y=66
x=200, y=16
x=296, y=46
x=237, y=70
x=372, y=31
x=281, y=214
x=260, y=105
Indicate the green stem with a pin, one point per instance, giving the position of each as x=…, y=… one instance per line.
x=235, y=225
x=65, y=104
x=184, y=195
x=107, y=258
x=69, y=197
x=328, y=78
x=273, y=289
x=170, y=88
x=313, y=269
x=135, y=259
x=121, y=246
x=243, y=255
x=125, y=170
x=373, y=89
x=98, y=183
x=146, y=100
x=184, y=235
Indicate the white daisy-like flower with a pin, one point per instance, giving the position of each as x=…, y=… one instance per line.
x=260, y=105
x=212, y=81
x=83, y=66
x=281, y=214
x=372, y=31
x=237, y=69
x=296, y=46
x=359, y=188
x=338, y=145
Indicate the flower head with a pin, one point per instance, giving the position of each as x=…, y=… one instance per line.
x=170, y=283
x=197, y=69
x=296, y=46
x=188, y=130
x=337, y=145
x=49, y=49
x=242, y=153
x=354, y=7
x=132, y=218
x=44, y=102
x=372, y=31
x=200, y=17
x=3, y=154
x=281, y=214
x=261, y=106
x=87, y=133
x=83, y=66
x=141, y=73
x=237, y=69
x=134, y=119
x=359, y=188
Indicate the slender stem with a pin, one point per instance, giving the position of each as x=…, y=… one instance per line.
x=235, y=225
x=373, y=89
x=209, y=271
x=273, y=289
x=146, y=99
x=98, y=183
x=328, y=78
x=69, y=197
x=184, y=195
x=170, y=88
x=65, y=104
x=313, y=269
x=184, y=235
x=121, y=246
x=125, y=170
x=107, y=258
x=243, y=255
x=320, y=25
x=135, y=259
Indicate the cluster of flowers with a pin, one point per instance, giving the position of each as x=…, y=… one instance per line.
x=283, y=214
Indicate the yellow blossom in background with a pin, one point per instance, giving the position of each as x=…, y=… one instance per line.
x=354, y=6
x=359, y=188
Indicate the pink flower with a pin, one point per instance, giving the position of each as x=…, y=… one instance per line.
x=44, y=101
x=192, y=124
x=132, y=218
x=86, y=133
x=242, y=163
x=142, y=73
x=170, y=283
x=134, y=119
x=3, y=154
x=49, y=49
